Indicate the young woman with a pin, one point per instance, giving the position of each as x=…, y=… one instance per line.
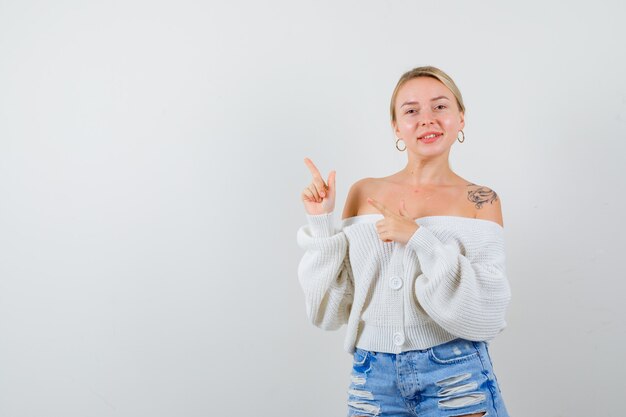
x=416, y=271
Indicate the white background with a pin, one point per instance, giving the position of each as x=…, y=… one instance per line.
x=151, y=164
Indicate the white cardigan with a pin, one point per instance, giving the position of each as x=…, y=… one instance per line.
x=448, y=281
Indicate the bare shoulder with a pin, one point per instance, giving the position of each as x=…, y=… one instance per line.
x=358, y=189
x=486, y=203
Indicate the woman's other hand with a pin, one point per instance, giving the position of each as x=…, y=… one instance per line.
x=394, y=227
x=319, y=197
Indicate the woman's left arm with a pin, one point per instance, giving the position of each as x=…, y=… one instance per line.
x=466, y=295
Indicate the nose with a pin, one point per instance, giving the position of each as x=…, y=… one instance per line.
x=427, y=118
x=426, y=121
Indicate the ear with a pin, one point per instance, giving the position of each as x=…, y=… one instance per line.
x=394, y=126
x=462, y=120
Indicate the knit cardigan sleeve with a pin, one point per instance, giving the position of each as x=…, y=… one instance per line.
x=467, y=296
x=324, y=272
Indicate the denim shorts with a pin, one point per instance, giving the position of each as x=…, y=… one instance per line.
x=451, y=379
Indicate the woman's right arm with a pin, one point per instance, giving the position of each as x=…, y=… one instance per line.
x=324, y=272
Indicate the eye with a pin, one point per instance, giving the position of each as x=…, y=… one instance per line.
x=409, y=111
x=441, y=105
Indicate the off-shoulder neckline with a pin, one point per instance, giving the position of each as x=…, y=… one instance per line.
x=363, y=218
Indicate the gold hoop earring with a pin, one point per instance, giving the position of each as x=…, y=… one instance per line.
x=457, y=136
x=397, y=145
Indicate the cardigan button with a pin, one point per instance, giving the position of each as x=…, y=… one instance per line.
x=398, y=339
x=395, y=283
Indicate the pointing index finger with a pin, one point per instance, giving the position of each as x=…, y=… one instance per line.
x=379, y=206
x=314, y=171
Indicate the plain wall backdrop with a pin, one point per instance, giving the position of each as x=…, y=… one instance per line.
x=151, y=165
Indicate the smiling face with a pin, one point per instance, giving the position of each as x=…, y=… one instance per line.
x=424, y=105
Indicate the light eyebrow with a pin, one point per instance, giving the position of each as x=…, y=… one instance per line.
x=417, y=102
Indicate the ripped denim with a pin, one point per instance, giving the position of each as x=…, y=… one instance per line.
x=452, y=379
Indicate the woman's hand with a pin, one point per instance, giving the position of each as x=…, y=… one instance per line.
x=319, y=197
x=394, y=227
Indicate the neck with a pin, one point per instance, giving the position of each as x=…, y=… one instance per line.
x=428, y=173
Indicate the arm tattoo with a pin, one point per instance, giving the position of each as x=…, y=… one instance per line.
x=481, y=195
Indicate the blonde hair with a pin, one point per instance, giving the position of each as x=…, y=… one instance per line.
x=427, y=71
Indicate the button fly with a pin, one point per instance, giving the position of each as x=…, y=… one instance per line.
x=395, y=283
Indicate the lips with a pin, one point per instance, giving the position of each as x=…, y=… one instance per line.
x=429, y=133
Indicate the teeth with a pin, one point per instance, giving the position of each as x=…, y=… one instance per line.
x=429, y=136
